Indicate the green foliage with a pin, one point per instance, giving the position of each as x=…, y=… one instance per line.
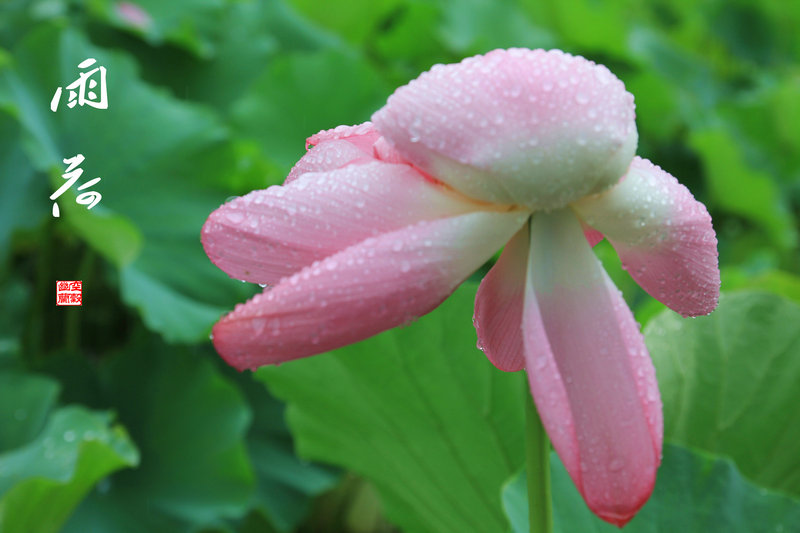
x=75, y=449
x=728, y=383
x=746, y=192
x=435, y=416
x=694, y=493
x=304, y=93
x=25, y=402
x=211, y=99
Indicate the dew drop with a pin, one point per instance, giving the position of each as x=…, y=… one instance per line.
x=616, y=464
x=258, y=324
x=234, y=217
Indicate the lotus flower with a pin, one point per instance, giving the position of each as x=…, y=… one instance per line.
x=378, y=223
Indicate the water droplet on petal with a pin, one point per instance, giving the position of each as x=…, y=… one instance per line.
x=258, y=324
x=616, y=464
x=234, y=217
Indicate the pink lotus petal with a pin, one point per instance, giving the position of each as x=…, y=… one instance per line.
x=522, y=127
x=333, y=149
x=362, y=135
x=273, y=233
x=589, y=371
x=663, y=236
x=375, y=285
x=592, y=235
x=499, y=303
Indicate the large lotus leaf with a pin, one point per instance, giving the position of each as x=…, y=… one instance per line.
x=729, y=383
x=420, y=412
x=694, y=493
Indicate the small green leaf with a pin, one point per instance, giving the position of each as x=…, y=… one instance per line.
x=190, y=424
x=739, y=189
x=477, y=26
x=42, y=482
x=25, y=403
x=187, y=23
x=112, y=235
x=694, y=493
x=420, y=412
x=303, y=93
x=177, y=317
x=729, y=383
x=355, y=20
x=585, y=24
x=774, y=281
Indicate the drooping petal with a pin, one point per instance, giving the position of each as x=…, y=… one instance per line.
x=589, y=371
x=269, y=234
x=335, y=148
x=663, y=236
x=528, y=127
x=375, y=285
x=499, y=304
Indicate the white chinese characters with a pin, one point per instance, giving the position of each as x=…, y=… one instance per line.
x=73, y=173
x=82, y=91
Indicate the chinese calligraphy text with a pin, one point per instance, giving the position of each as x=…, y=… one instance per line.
x=81, y=90
x=88, y=198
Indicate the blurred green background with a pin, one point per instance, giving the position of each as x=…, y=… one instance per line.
x=118, y=416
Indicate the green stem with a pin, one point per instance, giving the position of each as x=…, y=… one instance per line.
x=537, y=448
